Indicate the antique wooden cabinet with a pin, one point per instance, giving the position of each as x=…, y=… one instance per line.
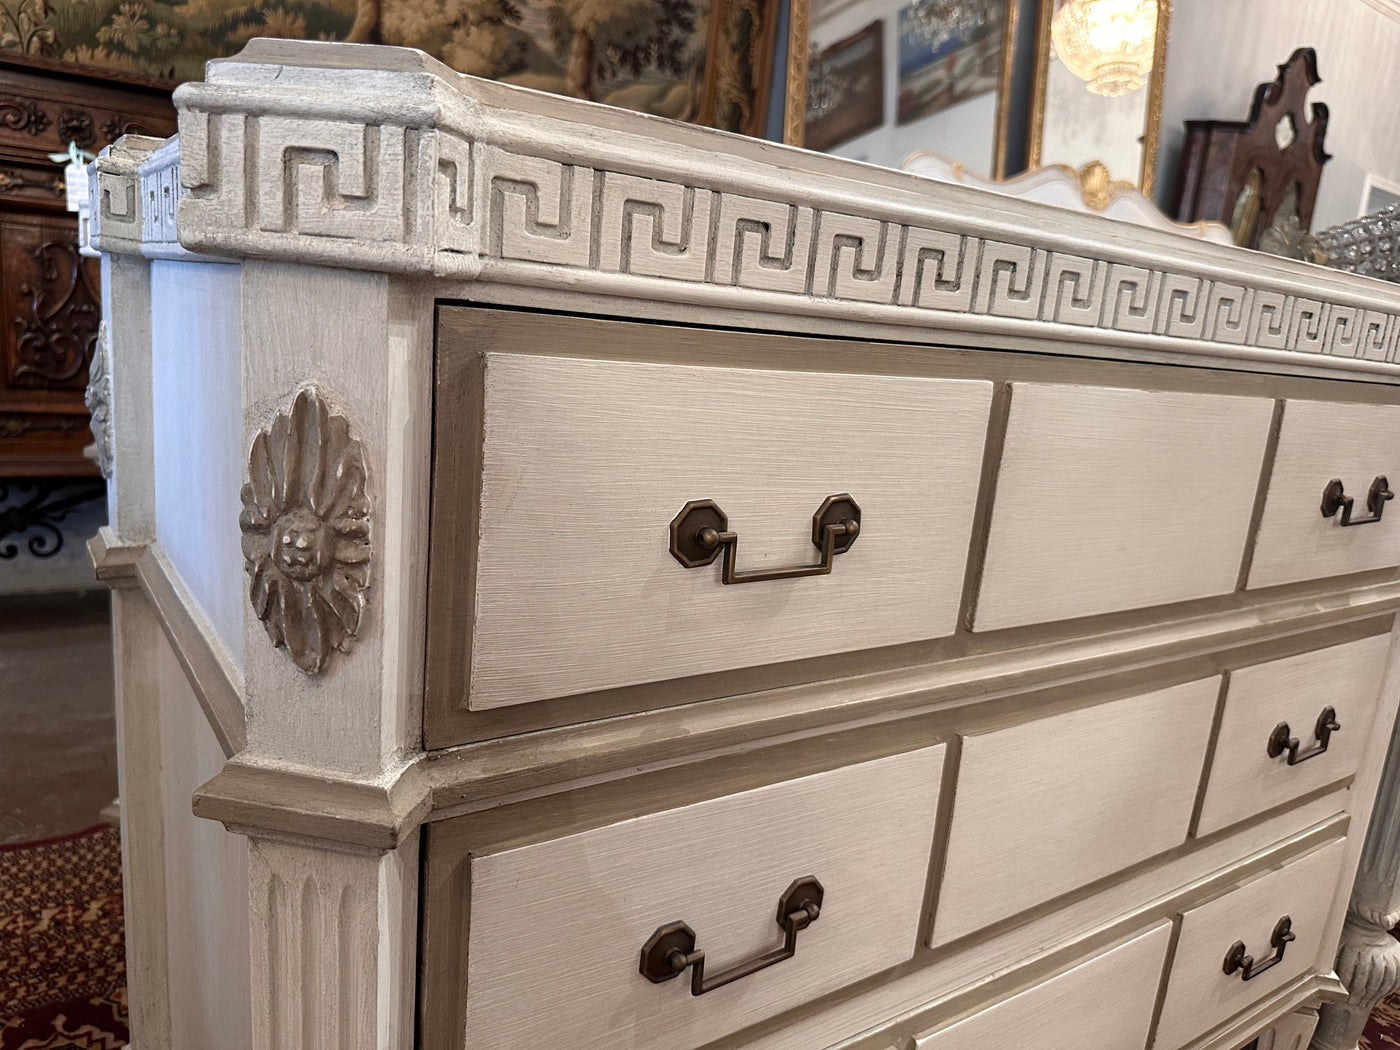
x=605, y=582
x=48, y=292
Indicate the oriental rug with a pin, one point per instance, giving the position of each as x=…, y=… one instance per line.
x=1383, y=1030
x=62, y=956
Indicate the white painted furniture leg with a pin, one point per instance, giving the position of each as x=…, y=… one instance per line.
x=1290, y=1033
x=136, y=635
x=1368, y=961
x=332, y=945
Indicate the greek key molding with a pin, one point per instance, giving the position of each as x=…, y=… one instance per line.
x=431, y=172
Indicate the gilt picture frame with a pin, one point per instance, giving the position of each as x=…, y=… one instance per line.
x=1002, y=158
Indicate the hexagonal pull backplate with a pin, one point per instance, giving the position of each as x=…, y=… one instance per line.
x=700, y=532
x=658, y=954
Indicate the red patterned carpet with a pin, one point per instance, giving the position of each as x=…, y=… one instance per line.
x=1383, y=1033
x=62, y=964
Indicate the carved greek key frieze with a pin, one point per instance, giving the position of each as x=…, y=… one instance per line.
x=449, y=190
x=938, y=270
x=655, y=229
x=1076, y=292
x=306, y=532
x=856, y=259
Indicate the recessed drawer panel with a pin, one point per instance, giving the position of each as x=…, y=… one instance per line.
x=1104, y=1003
x=1294, y=900
x=1051, y=805
x=1291, y=726
x=560, y=929
x=587, y=577
x=1111, y=499
x=1323, y=441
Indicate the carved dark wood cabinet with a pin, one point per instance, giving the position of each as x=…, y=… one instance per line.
x=50, y=301
x=1259, y=176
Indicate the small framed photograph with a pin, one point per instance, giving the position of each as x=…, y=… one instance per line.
x=940, y=67
x=845, y=88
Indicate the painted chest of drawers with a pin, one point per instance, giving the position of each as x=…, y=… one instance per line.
x=605, y=583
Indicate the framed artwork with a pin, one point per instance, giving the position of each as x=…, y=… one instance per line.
x=1114, y=127
x=938, y=69
x=845, y=88
x=945, y=75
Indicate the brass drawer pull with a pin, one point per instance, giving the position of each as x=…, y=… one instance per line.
x=1281, y=739
x=700, y=531
x=1334, y=497
x=1236, y=959
x=671, y=948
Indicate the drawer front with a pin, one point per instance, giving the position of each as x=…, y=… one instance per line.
x=1112, y=499
x=1200, y=995
x=1046, y=807
x=1104, y=1003
x=558, y=928
x=1319, y=441
x=586, y=464
x=1250, y=771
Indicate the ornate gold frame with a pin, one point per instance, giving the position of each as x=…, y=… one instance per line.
x=795, y=99
x=1151, y=129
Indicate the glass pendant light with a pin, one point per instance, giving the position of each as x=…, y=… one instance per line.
x=1108, y=44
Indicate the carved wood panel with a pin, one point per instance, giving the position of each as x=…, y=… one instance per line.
x=49, y=303
x=49, y=294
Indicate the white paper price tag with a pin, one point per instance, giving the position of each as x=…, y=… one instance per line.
x=75, y=180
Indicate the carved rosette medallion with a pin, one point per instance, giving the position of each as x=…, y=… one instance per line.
x=306, y=531
x=99, y=399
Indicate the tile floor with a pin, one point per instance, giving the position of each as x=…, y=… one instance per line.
x=58, y=762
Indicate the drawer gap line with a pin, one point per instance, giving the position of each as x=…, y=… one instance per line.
x=1211, y=742
x=1261, y=493
x=938, y=859
x=997, y=416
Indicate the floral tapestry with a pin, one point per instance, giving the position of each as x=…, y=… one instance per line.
x=171, y=41
x=708, y=61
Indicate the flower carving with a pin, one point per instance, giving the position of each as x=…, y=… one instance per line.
x=98, y=399
x=306, y=531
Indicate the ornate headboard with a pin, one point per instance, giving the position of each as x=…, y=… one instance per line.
x=1262, y=173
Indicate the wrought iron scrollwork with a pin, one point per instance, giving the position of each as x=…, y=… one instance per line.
x=42, y=504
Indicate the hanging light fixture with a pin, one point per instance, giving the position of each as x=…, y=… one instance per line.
x=1108, y=44
x=939, y=21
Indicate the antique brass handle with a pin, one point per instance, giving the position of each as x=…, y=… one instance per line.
x=700, y=532
x=1236, y=959
x=1334, y=497
x=670, y=950
x=1281, y=739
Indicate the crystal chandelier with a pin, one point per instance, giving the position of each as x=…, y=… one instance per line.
x=1108, y=44
x=939, y=21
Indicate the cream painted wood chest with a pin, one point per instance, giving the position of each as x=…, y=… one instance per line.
x=602, y=583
